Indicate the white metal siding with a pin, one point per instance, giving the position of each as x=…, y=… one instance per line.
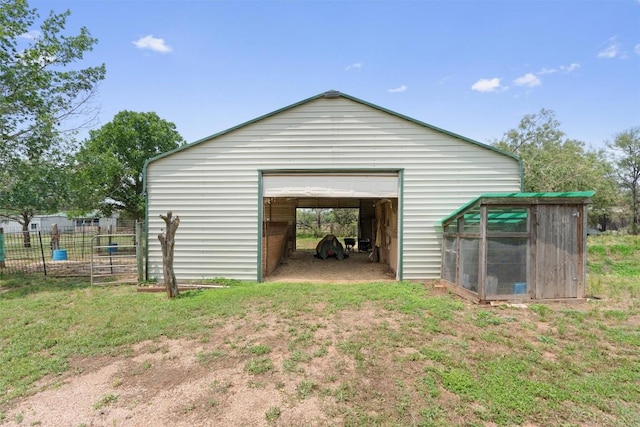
x=213, y=185
x=359, y=186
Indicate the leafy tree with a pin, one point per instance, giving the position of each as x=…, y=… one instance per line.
x=312, y=220
x=626, y=153
x=33, y=187
x=345, y=221
x=39, y=89
x=552, y=162
x=40, y=95
x=109, y=165
x=320, y=221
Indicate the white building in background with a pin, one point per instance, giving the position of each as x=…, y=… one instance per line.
x=45, y=222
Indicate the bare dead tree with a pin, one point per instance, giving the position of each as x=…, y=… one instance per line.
x=55, y=237
x=167, y=240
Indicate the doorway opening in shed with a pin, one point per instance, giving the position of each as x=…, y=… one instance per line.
x=313, y=224
x=368, y=244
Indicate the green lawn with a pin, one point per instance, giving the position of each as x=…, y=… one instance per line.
x=395, y=354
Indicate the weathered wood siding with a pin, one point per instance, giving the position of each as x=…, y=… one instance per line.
x=559, y=251
x=274, y=245
x=213, y=185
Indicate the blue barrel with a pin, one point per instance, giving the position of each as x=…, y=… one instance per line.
x=59, y=255
x=113, y=248
x=520, y=288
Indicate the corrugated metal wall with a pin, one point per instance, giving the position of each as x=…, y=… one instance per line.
x=213, y=185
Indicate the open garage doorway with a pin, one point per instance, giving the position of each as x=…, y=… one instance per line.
x=373, y=244
x=294, y=228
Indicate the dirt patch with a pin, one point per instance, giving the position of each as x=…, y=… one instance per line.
x=210, y=382
x=303, y=266
x=320, y=367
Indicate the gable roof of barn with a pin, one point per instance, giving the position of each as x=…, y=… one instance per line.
x=333, y=94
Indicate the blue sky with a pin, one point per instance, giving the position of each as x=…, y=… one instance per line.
x=474, y=68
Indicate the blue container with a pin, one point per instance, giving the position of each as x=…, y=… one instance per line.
x=113, y=248
x=520, y=288
x=59, y=255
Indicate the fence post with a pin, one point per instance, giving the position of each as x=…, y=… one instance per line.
x=44, y=262
x=2, y=256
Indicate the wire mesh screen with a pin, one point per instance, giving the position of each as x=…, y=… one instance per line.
x=469, y=263
x=449, y=259
x=66, y=252
x=506, y=265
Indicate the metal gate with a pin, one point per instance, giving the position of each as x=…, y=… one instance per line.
x=116, y=259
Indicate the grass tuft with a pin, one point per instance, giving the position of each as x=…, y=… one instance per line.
x=257, y=366
x=105, y=400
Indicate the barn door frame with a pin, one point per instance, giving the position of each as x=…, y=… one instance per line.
x=398, y=173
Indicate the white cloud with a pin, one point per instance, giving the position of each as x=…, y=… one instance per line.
x=398, y=89
x=547, y=71
x=611, y=51
x=355, y=66
x=529, y=80
x=569, y=68
x=637, y=48
x=31, y=35
x=444, y=80
x=152, y=43
x=486, y=85
x=566, y=69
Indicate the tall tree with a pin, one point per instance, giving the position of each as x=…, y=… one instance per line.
x=626, y=156
x=109, y=165
x=33, y=186
x=345, y=221
x=551, y=162
x=40, y=91
x=42, y=97
x=312, y=220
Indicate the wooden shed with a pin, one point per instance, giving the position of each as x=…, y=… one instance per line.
x=517, y=246
x=237, y=192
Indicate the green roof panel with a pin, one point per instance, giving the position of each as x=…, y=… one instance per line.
x=510, y=217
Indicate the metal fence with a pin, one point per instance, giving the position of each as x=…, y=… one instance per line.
x=67, y=252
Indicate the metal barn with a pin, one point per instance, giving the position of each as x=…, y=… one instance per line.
x=517, y=246
x=237, y=191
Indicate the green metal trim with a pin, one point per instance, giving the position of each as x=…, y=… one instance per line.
x=400, y=223
x=340, y=169
x=263, y=172
x=427, y=125
x=515, y=196
x=496, y=217
x=556, y=195
x=231, y=129
x=146, y=222
x=260, y=219
x=521, y=175
x=336, y=94
x=458, y=211
x=139, y=256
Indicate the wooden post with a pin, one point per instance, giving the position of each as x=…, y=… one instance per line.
x=167, y=240
x=55, y=237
